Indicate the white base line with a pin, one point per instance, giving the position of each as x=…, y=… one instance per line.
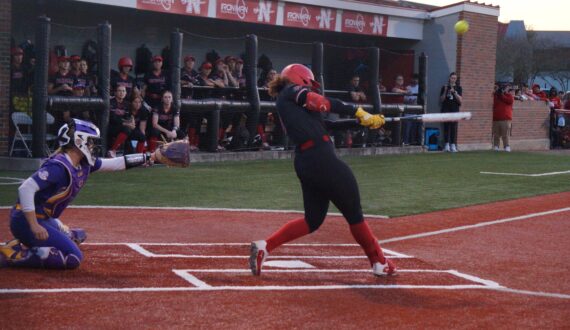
x=481, y=224
x=191, y=279
x=192, y=208
x=529, y=175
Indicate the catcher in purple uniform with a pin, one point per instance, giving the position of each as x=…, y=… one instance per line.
x=41, y=239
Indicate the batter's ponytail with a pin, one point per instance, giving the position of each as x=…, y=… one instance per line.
x=276, y=85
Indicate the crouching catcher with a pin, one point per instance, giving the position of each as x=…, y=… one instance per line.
x=41, y=239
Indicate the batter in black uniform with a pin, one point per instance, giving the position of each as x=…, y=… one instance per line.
x=324, y=177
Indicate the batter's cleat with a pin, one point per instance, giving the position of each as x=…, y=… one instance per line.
x=257, y=256
x=386, y=269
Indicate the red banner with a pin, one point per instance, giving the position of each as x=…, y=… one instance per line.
x=309, y=17
x=364, y=23
x=185, y=7
x=252, y=11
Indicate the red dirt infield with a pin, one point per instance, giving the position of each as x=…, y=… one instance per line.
x=499, y=265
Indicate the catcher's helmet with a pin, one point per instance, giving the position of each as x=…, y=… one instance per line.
x=81, y=134
x=125, y=61
x=300, y=75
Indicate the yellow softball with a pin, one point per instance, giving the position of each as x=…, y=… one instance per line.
x=461, y=27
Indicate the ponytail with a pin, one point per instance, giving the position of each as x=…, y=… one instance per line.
x=276, y=85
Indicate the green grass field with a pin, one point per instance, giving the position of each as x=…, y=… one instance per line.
x=390, y=185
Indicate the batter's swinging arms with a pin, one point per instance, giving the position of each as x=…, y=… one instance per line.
x=324, y=177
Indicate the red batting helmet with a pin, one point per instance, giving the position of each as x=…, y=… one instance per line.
x=125, y=61
x=300, y=75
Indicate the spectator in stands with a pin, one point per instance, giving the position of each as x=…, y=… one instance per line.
x=165, y=122
x=411, y=98
x=451, y=98
x=554, y=100
x=155, y=83
x=503, y=99
x=19, y=83
x=381, y=87
x=230, y=62
x=219, y=76
x=355, y=92
x=74, y=66
x=238, y=73
x=91, y=78
x=139, y=116
x=121, y=122
x=526, y=92
x=190, y=120
x=123, y=78
x=398, y=87
x=81, y=78
x=538, y=93
x=61, y=83
x=203, y=78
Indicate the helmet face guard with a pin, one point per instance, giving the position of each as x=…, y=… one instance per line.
x=83, y=135
x=299, y=74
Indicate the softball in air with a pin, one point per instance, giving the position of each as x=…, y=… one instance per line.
x=461, y=27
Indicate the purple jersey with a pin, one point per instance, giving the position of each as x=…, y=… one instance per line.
x=59, y=183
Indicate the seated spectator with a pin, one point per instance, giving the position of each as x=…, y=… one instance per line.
x=238, y=73
x=123, y=78
x=188, y=77
x=219, y=76
x=538, y=93
x=19, y=83
x=411, y=129
x=554, y=100
x=527, y=94
x=154, y=83
x=412, y=91
x=139, y=115
x=61, y=83
x=355, y=93
x=74, y=66
x=165, y=122
x=230, y=62
x=121, y=122
x=381, y=87
x=91, y=89
x=203, y=78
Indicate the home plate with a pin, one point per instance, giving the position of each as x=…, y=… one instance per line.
x=287, y=264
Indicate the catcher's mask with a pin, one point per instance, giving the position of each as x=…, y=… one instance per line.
x=81, y=134
x=299, y=74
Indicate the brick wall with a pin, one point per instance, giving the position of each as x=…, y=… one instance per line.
x=476, y=68
x=5, y=33
x=530, y=125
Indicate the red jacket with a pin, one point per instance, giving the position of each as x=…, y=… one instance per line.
x=503, y=107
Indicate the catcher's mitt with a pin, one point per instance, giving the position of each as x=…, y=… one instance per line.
x=175, y=154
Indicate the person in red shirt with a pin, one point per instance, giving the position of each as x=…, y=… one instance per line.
x=503, y=100
x=539, y=94
x=555, y=102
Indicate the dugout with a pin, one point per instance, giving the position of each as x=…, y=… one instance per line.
x=403, y=32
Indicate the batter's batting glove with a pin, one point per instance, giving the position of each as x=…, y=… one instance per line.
x=368, y=120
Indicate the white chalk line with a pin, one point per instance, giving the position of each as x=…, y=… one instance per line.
x=192, y=208
x=138, y=248
x=477, y=225
x=527, y=175
x=15, y=181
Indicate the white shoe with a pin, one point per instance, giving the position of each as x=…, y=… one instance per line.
x=508, y=149
x=496, y=148
x=453, y=148
x=446, y=147
x=385, y=269
x=257, y=256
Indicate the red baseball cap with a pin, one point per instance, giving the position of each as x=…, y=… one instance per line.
x=63, y=59
x=157, y=58
x=206, y=65
x=75, y=58
x=17, y=51
x=189, y=58
x=229, y=58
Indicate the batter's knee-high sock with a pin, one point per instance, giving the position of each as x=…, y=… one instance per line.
x=369, y=243
x=119, y=140
x=290, y=231
x=140, y=147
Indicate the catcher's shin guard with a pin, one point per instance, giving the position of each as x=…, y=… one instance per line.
x=46, y=257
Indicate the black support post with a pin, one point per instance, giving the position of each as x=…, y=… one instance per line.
x=422, y=89
x=317, y=64
x=250, y=67
x=40, y=87
x=175, y=65
x=374, y=92
x=104, y=73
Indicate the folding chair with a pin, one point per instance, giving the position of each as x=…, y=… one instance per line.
x=20, y=121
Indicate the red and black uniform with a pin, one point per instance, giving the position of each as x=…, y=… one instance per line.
x=140, y=115
x=118, y=114
x=166, y=121
x=192, y=121
x=19, y=84
x=156, y=84
x=324, y=177
x=59, y=79
x=128, y=82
